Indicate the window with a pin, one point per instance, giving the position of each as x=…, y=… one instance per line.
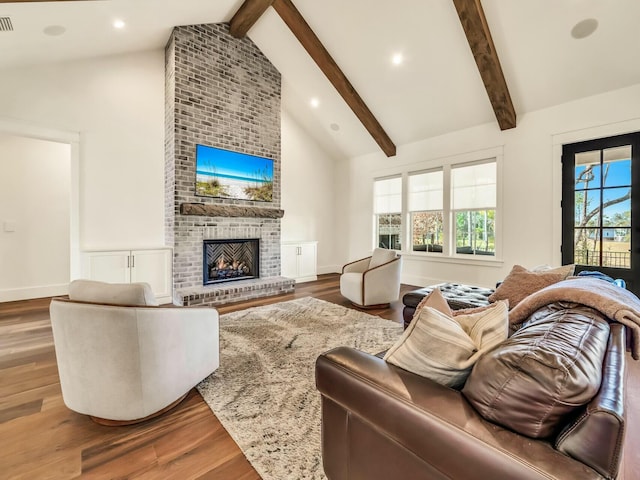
x=601, y=206
x=388, y=212
x=473, y=205
x=446, y=211
x=602, y=227
x=426, y=193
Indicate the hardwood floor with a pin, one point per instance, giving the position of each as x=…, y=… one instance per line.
x=42, y=439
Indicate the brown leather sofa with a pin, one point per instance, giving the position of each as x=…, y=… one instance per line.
x=383, y=422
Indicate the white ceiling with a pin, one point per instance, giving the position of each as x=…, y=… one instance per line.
x=436, y=90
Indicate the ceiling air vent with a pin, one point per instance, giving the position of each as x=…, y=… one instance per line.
x=5, y=24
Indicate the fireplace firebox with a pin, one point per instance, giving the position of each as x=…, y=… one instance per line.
x=229, y=260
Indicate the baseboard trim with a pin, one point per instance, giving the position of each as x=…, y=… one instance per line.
x=28, y=293
x=310, y=278
x=420, y=281
x=329, y=269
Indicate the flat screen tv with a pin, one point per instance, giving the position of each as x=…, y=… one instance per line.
x=226, y=174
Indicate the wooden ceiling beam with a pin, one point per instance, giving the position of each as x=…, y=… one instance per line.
x=478, y=35
x=311, y=43
x=247, y=15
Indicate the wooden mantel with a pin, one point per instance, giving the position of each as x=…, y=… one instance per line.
x=208, y=210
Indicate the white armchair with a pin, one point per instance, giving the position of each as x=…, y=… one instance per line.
x=373, y=281
x=123, y=360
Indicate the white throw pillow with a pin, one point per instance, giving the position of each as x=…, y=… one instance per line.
x=381, y=256
x=444, y=348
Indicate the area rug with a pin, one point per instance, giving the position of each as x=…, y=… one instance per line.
x=264, y=391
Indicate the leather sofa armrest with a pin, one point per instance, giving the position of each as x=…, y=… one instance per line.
x=435, y=423
x=596, y=436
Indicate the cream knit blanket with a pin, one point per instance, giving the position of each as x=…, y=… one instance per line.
x=615, y=303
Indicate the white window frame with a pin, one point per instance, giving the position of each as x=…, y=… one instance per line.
x=446, y=164
x=410, y=211
x=452, y=211
x=375, y=239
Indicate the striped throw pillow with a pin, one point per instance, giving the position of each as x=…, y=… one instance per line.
x=444, y=348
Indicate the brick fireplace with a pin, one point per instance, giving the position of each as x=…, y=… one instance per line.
x=221, y=92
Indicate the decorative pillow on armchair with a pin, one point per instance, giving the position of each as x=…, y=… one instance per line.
x=380, y=256
x=444, y=348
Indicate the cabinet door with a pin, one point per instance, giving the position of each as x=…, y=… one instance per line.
x=154, y=268
x=289, y=265
x=307, y=262
x=111, y=267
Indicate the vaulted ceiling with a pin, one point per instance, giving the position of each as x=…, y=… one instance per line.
x=436, y=89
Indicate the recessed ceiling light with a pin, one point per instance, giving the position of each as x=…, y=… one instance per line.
x=397, y=59
x=54, y=30
x=119, y=24
x=335, y=127
x=584, y=28
x=315, y=103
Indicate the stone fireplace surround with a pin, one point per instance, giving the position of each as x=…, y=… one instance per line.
x=221, y=293
x=223, y=92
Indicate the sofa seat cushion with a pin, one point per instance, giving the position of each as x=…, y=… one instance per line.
x=542, y=373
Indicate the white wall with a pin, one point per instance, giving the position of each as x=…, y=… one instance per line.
x=531, y=182
x=34, y=217
x=117, y=105
x=308, y=193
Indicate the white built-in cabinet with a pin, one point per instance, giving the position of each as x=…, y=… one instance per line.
x=300, y=261
x=153, y=266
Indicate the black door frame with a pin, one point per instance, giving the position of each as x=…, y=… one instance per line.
x=632, y=275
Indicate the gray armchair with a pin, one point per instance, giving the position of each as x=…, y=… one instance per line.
x=121, y=358
x=373, y=281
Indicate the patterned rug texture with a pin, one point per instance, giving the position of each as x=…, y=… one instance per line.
x=264, y=391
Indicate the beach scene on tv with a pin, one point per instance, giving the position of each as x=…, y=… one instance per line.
x=227, y=174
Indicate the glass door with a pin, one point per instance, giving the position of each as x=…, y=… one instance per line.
x=599, y=208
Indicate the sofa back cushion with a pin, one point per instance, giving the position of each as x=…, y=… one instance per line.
x=520, y=283
x=545, y=371
x=129, y=294
x=381, y=256
x=566, y=270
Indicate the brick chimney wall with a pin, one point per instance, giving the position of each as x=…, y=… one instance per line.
x=223, y=92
